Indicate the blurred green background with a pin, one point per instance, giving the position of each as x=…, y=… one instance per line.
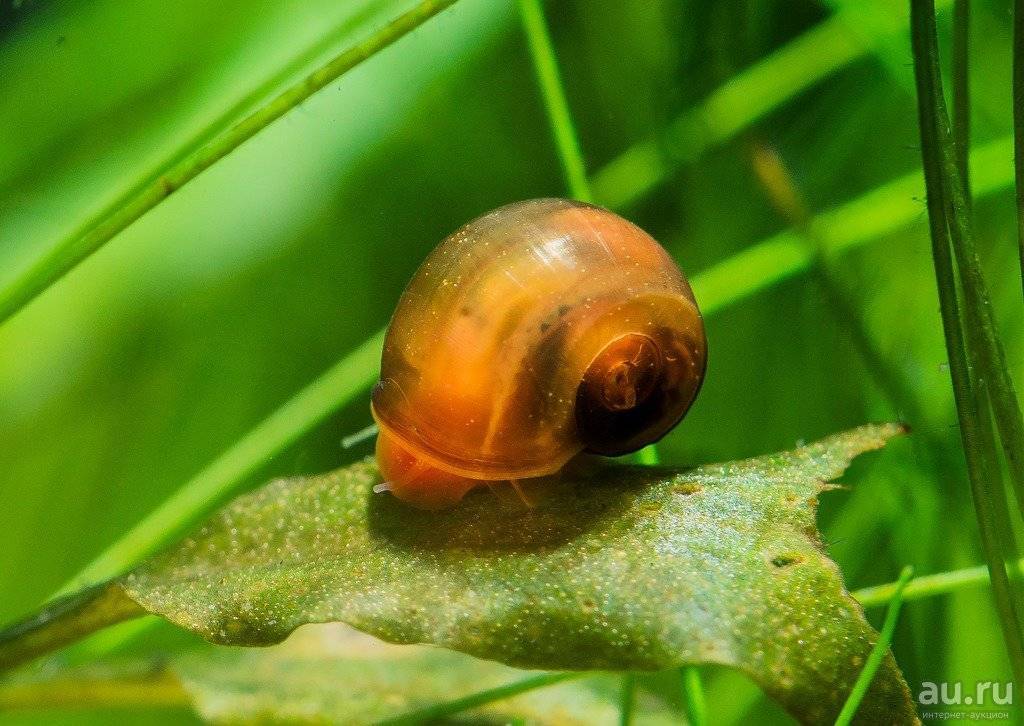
x=140, y=367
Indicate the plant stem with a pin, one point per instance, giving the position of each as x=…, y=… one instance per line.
x=942, y=180
x=442, y=710
x=627, y=699
x=69, y=252
x=881, y=647
x=984, y=345
x=545, y=65
x=941, y=583
x=962, y=91
x=1018, y=122
x=64, y=621
x=693, y=696
x=349, y=377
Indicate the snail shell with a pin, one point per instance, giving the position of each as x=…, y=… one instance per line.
x=538, y=331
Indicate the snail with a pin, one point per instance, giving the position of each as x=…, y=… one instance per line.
x=536, y=332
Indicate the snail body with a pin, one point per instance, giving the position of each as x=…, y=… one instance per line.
x=535, y=332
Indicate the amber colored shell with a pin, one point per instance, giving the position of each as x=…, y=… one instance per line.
x=533, y=333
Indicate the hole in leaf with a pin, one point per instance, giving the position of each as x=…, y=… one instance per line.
x=786, y=559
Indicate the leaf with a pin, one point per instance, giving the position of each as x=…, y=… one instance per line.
x=298, y=681
x=621, y=568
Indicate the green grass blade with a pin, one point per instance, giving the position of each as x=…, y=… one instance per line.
x=942, y=182
x=856, y=223
x=1018, y=122
x=962, y=91
x=442, y=710
x=984, y=344
x=352, y=375
x=860, y=687
x=71, y=251
x=648, y=456
x=940, y=583
x=545, y=65
x=777, y=181
x=693, y=696
x=627, y=699
x=742, y=100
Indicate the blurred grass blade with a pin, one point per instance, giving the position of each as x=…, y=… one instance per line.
x=877, y=653
x=545, y=65
x=693, y=696
x=743, y=99
x=452, y=708
x=648, y=456
x=1018, y=122
x=71, y=251
x=860, y=221
x=945, y=215
x=359, y=436
x=352, y=375
x=962, y=92
x=627, y=699
x=777, y=181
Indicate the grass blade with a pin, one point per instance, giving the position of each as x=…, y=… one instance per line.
x=860, y=687
x=627, y=699
x=984, y=345
x=940, y=583
x=777, y=180
x=961, y=92
x=71, y=251
x=693, y=696
x=545, y=65
x=442, y=710
x=1018, y=122
x=740, y=101
x=942, y=182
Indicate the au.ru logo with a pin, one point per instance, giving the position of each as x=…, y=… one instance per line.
x=985, y=693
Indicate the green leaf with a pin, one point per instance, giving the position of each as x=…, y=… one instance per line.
x=628, y=568
x=299, y=681
x=614, y=567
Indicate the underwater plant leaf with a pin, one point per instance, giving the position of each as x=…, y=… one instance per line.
x=615, y=568
x=333, y=674
x=611, y=568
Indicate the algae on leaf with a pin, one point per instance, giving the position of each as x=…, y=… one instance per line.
x=614, y=568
